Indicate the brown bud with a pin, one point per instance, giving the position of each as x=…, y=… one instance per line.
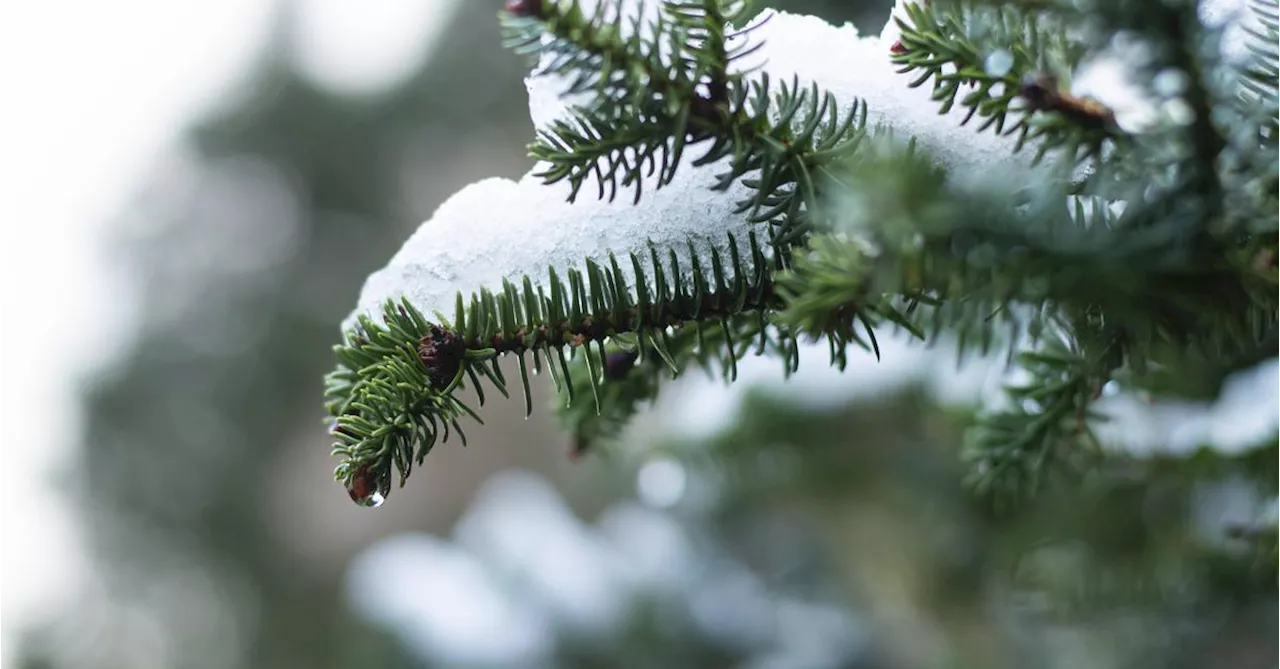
x=1040, y=92
x=1043, y=93
x=524, y=7
x=441, y=352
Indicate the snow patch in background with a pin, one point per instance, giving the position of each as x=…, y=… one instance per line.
x=1245, y=415
x=522, y=568
x=366, y=48
x=443, y=602
x=1236, y=19
x=661, y=482
x=520, y=526
x=701, y=406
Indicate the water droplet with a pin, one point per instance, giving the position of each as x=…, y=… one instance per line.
x=998, y=63
x=373, y=500
x=364, y=489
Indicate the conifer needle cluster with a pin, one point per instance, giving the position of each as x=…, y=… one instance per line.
x=1152, y=246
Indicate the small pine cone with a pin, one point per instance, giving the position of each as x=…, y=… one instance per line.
x=441, y=352
x=1042, y=93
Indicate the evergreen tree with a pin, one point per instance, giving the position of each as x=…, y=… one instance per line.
x=1138, y=257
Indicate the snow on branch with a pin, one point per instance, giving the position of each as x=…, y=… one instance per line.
x=499, y=229
x=741, y=151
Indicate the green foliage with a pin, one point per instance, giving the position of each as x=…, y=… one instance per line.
x=1165, y=253
x=393, y=396
x=646, y=105
x=1262, y=76
x=646, y=108
x=1044, y=430
x=1006, y=61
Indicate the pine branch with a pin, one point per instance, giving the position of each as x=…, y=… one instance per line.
x=1261, y=77
x=783, y=140
x=1117, y=291
x=633, y=376
x=1044, y=432
x=394, y=395
x=1144, y=557
x=1250, y=166
x=861, y=235
x=1011, y=68
x=669, y=84
x=626, y=385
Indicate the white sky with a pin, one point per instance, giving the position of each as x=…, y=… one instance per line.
x=90, y=93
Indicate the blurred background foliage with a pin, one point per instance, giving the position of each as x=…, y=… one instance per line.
x=798, y=537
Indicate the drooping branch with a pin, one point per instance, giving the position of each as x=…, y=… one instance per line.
x=394, y=395
x=925, y=252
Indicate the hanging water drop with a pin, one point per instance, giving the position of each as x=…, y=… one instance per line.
x=363, y=488
x=998, y=63
x=373, y=500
